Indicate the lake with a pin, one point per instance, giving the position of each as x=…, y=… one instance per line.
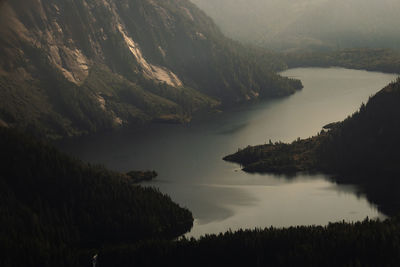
x=189, y=161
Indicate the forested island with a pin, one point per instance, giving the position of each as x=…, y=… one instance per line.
x=362, y=149
x=141, y=176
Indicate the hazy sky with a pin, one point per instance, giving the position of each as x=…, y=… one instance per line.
x=325, y=22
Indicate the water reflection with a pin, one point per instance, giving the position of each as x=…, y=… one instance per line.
x=189, y=161
x=300, y=202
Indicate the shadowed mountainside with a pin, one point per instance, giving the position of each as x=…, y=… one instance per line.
x=70, y=67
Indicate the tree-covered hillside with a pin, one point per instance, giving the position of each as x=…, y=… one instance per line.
x=383, y=60
x=58, y=211
x=363, y=149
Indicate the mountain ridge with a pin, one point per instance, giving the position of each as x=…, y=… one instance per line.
x=317, y=25
x=80, y=66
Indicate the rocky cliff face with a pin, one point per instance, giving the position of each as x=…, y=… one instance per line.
x=69, y=67
x=74, y=35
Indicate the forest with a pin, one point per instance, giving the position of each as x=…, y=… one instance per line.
x=383, y=60
x=59, y=211
x=366, y=243
x=56, y=210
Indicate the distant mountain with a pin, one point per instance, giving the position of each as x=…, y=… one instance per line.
x=69, y=67
x=382, y=60
x=305, y=24
x=363, y=149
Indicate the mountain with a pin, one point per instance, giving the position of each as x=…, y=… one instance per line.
x=363, y=150
x=70, y=67
x=56, y=210
x=252, y=21
x=304, y=24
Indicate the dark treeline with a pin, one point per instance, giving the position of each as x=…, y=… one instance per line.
x=363, y=149
x=367, y=243
x=384, y=60
x=56, y=211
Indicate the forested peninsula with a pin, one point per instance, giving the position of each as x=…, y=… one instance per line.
x=78, y=67
x=362, y=149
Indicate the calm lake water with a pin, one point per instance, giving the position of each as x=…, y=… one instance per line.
x=189, y=161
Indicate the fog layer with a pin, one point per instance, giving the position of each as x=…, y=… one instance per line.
x=318, y=24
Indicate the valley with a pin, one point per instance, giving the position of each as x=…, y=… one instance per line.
x=199, y=133
x=188, y=158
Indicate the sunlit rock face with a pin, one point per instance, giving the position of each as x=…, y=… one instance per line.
x=50, y=25
x=100, y=49
x=151, y=71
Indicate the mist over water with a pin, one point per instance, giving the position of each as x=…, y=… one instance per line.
x=189, y=161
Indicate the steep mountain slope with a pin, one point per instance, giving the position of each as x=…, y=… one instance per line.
x=69, y=67
x=316, y=24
